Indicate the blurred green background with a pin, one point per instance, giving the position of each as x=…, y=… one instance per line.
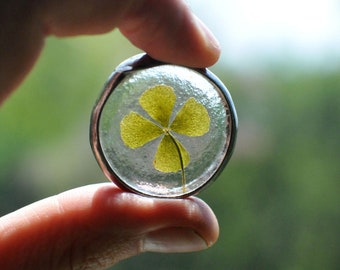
x=278, y=199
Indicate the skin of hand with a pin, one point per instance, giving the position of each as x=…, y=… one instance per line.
x=95, y=226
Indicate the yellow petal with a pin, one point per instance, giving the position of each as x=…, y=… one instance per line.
x=192, y=119
x=135, y=130
x=168, y=158
x=158, y=102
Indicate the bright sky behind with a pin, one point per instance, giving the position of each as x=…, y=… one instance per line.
x=256, y=30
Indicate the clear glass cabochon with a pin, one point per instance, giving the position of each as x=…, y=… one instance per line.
x=163, y=130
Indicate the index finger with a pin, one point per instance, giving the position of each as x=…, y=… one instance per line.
x=167, y=30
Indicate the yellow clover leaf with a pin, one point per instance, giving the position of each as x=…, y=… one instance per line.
x=168, y=150
x=158, y=102
x=192, y=120
x=136, y=130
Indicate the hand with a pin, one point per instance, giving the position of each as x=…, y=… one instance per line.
x=166, y=30
x=95, y=226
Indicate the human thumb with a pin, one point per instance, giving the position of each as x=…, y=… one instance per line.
x=98, y=225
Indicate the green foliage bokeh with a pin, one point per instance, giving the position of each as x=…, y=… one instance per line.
x=278, y=199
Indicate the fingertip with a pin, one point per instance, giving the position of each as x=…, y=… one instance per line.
x=210, y=227
x=170, y=32
x=194, y=230
x=211, y=44
x=164, y=225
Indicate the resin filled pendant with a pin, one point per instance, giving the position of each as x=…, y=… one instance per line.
x=163, y=130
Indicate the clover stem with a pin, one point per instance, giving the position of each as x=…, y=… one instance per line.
x=180, y=159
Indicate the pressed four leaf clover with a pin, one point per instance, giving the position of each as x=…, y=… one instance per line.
x=158, y=102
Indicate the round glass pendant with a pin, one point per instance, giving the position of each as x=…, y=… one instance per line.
x=163, y=130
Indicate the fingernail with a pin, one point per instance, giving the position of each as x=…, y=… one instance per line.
x=209, y=37
x=173, y=240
